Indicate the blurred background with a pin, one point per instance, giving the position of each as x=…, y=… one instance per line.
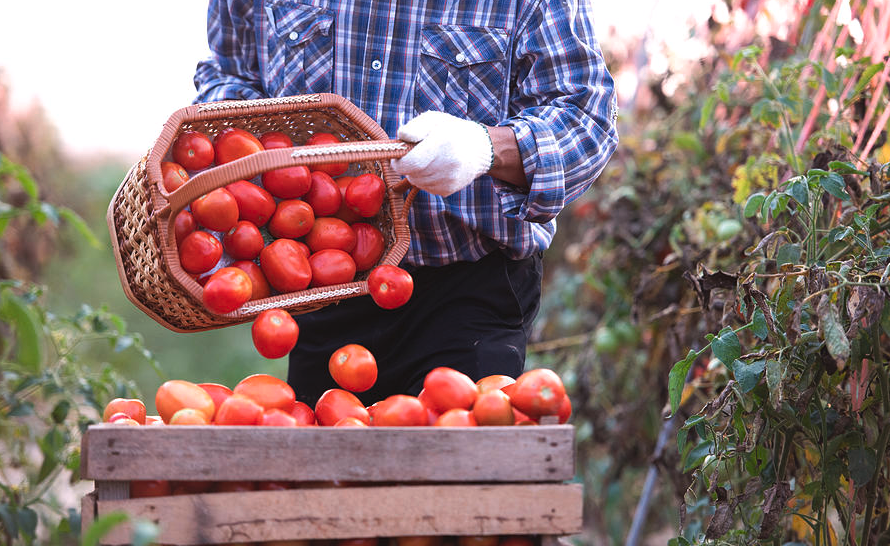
x=86, y=87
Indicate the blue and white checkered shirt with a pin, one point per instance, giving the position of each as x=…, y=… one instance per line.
x=534, y=65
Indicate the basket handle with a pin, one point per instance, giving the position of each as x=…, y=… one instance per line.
x=249, y=166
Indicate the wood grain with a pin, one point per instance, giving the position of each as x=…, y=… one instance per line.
x=330, y=513
x=403, y=454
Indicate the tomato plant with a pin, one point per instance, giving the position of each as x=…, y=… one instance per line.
x=227, y=289
x=244, y=241
x=234, y=143
x=331, y=266
x=390, y=286
x=293, y=218
x=199, y=252
x=255, y=204
x=285, y=265
x=193, y=150
x=274, y=333
x=353, y=367
x=216, y=210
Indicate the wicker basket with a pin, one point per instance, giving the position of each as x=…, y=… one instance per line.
x=141, y=213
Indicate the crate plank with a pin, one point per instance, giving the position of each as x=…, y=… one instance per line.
x=87, y=511
x=384, y=454
x=353, y=512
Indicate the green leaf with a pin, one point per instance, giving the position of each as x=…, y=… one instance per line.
x=799, y=190
x=677, y=378
x=60, y=411
x=835, y=185
x=707, y=111
x=689, y=142
x=862, y=465
x=767, y=206
x=788, y=254
x=845, y=167
x=101, y=527
x=726, y=346
x=27, y=520
x=753, y=204
x=8, y=519
x=866, y=77
x=697, y=455
x=22, y=317
x=759, y=326
x=839, y=233
x=748, y=375
x=80, y=225
x=829, y=80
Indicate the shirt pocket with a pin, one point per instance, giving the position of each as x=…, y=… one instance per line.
x=462, y=71
x=299, y=53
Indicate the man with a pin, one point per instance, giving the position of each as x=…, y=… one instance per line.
x=513, y=112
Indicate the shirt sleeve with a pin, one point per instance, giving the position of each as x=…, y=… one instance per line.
x=563, y=108
x=232, y=69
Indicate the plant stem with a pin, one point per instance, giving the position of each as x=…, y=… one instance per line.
x=787, y=440
x=871, y=495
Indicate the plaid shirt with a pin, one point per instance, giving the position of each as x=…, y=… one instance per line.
x=534, y=65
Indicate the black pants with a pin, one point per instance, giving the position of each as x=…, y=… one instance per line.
x=472, y=316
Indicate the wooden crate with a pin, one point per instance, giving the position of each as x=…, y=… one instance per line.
x=353, y=482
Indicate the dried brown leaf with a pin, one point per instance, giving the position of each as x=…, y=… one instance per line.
x=774, y=505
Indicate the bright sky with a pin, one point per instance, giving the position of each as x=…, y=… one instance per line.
x=110, y=72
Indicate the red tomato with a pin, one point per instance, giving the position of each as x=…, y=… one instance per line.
x=350, y=422
x=329, y=232
x=275, y=139
x=216, y=210
x=227, y=289
x=191, y=487
x=199, y=252
x=447, y=388
x=275, y=417
x=292, y=218
x=331, y=266
x=258, y=282
x=517, y=540
x=173, y=175
x=390, y=286
x=323, y=194
x=244, y=241
x=565, y=409
x=369, y=246
x=193, y=150
x=234, y=487
x=183, y=225
x=456, y=417
x=189, y=416
x=285, y=266
x=353, y=367
x=400, y=410
x=254, y=203
x=274, y=333
x=149, y=488
x=175, y=394
x=494, y=382
x=538, y=392
x=345, y=213
x=303, y=413
x=493, y=408
x=288, y=182
x=304, y=248
x=365, y=194
x=239, y=410
x=234, y=143
x=218, y=393
x=130, y=407
x=267, y=390
x=335, y=404
x=333, y=169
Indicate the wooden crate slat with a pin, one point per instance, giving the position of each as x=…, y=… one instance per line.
x=331, y=513
x=403, y=454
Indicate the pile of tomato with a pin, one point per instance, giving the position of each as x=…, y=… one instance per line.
x=287, y=230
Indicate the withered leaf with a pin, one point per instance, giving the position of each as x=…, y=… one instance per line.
x=773, y=507
x=832, y=331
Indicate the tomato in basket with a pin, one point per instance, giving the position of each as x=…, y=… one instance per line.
x=216, y=210
x=331, y=266
x=345, y=213
x=293, y=218
x=285, y=266
x=234, y=143
x=254, y=203
x=227, y=289
x=330, y=232
x=244, y=241
x=173, y=175
x=275, y=139
x=193, y=150
x=369, y=246
x=323, y=194
x=365, y=193
x=288, y=182
x=199, y=252
x=183, y=225
x=258, y=282
x=333, y=169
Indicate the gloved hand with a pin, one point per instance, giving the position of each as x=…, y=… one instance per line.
x=450, y=152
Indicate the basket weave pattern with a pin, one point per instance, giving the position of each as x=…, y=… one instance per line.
x=140, y=215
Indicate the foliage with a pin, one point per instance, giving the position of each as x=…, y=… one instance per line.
x=49, y=393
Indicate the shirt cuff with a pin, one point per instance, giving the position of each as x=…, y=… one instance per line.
x=543, y=167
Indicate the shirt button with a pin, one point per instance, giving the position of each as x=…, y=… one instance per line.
x=460, y=57
x=293, y=35
x=376, y=64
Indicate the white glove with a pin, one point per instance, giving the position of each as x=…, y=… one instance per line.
x=450, y=153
